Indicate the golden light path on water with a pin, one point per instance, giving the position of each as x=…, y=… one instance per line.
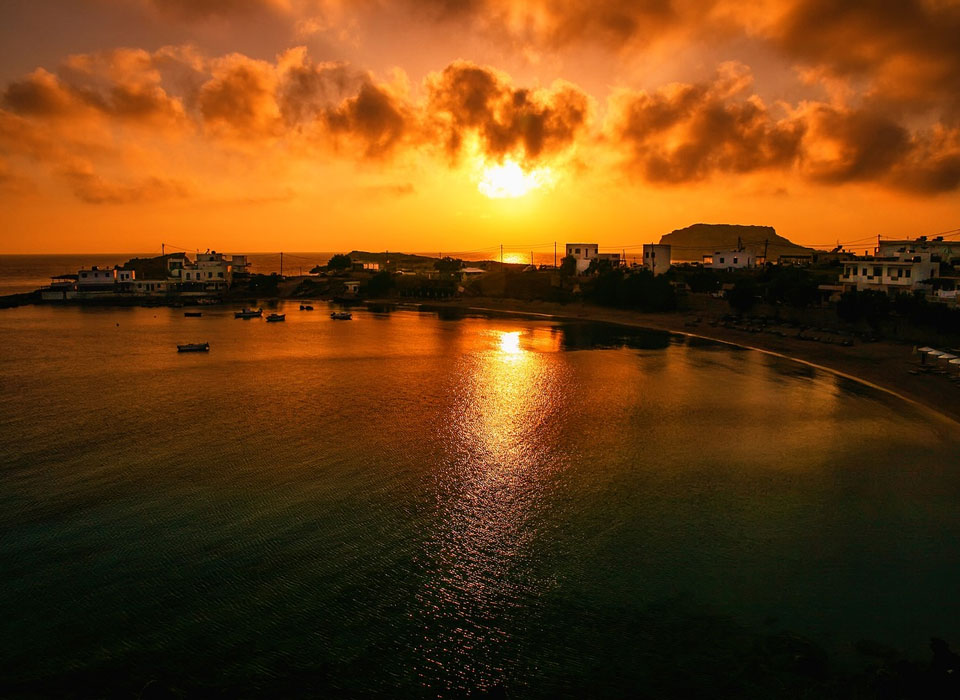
x=501, y=442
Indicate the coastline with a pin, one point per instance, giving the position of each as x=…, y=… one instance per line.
x=881, y=365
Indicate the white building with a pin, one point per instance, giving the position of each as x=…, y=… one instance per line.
x=656, y=257
x=96, y=277
x=938, y=247
x=212, y=270
x=904, y=273
x=583, y=253
x=731, y=260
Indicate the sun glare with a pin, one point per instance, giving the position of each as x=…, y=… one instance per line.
x=508, y=179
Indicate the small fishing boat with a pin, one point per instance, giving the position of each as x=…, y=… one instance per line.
x=194, y=347
x=248, y=313
x=341, y=315
x=192, y=314
x=273, y=318
x=304, y=307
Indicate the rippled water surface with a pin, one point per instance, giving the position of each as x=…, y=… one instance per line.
x=405, y=504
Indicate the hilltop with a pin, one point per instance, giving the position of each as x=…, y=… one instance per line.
x=693, y=242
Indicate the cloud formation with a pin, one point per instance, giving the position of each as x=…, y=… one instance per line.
x=101, y=113
x=685, y=132
x=466, y=99
x=689, y=132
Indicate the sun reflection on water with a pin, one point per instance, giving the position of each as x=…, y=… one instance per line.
x=500, y=446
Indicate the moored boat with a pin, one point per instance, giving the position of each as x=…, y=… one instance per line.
x=192, y=314
x=248, y=313
x=194, y=347
x=273, y=318
x=305, y=307
x=341, y=315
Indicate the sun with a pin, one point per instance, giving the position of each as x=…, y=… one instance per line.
x=508, y=179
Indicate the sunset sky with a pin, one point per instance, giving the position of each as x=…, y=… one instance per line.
x=454, y=125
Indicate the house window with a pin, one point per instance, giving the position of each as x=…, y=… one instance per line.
x=220, y=274
x=907, y=273
x=877, y=271
x=721, y=261
x=864, y=272
x=209, y=275
x=734, y=261
x=84, y=275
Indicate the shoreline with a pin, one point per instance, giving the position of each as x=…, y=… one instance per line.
x=881, y=365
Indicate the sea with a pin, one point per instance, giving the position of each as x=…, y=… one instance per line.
x=440, y=504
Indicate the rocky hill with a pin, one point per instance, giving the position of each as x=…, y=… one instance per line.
x=693, y=242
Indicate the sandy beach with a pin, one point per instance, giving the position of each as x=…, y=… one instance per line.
x=884, y=365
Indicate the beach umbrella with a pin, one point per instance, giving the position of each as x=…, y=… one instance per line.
x=923, y=353
x=956, y=362
x=947, y=356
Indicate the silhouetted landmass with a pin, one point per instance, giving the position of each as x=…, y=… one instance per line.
x=693, y=242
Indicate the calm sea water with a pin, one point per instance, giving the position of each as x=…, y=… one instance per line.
x=409, y=505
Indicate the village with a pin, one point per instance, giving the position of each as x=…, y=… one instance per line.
x=927, y=268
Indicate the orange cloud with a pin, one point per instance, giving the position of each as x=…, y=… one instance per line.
x=689, y=132
x=465, y=98
x=118, y=113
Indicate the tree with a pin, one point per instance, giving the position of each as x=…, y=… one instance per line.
x=448, y=265
x=743, y=295
x=599, y=265
x=703, y=281
x=339, y=262
x=380, y=284
x=568, y=266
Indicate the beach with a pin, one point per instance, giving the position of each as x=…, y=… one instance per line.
x=882, y=364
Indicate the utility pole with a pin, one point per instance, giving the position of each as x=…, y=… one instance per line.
x=878, y=245
x=281, y=263
x=163, y=249
x=554, y=254
x=501, y=257
x=765, y=242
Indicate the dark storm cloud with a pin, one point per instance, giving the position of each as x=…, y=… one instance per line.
x=469, y=99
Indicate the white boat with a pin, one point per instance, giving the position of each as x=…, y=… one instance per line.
x=341, y=315
x=273, y=318
x=248, y=313
x=194, y=347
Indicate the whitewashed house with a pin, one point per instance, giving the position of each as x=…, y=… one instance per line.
x=583, y=253
x=731, y=260
x=905, y=273
x=656, y=257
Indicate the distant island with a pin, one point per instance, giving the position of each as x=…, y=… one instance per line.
x=693, y=243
